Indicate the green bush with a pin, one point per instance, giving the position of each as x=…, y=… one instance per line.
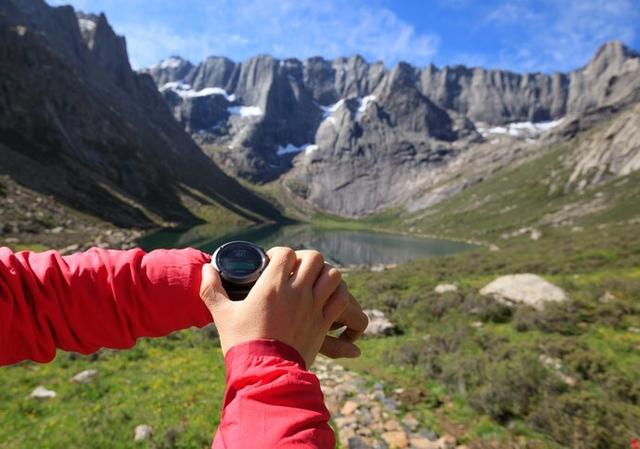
x=581, y=420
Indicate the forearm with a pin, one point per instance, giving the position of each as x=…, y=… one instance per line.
x=99, y=298
x=272, y=400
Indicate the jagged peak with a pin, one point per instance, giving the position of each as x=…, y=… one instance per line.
x=172, y=62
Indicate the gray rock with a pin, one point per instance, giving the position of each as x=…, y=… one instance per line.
x=85, y=376
x=445, y=288
x=142, y=432
x=379, y=324
x=41, y=392
x=528, y=289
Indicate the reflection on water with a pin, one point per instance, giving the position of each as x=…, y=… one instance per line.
x=342, y=247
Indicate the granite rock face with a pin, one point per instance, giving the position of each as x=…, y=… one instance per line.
x=353, y=138
x=77, y=123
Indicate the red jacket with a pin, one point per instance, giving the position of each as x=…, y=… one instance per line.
x=102, y=298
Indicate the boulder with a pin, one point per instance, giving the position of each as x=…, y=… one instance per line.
x=41, y=392
x=445, y=288
x=142, y=432
x=379, y=324
x=528, y=289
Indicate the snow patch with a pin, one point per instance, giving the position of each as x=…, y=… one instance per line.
x=245, y=111
x=87, y=25
x=185, y=91
x=289, y=148
x=328, y=110
x=520, y=129
x=364, y=102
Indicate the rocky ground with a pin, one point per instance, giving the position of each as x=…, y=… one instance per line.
x=29, y=219
x=367, y=416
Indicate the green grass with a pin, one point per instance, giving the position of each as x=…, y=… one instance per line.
x=174, y=385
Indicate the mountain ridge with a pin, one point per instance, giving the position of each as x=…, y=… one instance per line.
x=369, y=126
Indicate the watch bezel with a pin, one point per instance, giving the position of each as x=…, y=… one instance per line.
x=240, y=280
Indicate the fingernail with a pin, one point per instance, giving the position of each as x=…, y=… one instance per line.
x=355, y=351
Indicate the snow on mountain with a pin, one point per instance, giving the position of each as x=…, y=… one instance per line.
x=289, y=148
x=519, y=129
x=245, y=111
x=185, y=91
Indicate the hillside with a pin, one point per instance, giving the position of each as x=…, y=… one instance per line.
x=79, y=128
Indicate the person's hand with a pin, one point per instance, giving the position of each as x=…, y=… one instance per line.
x=296, y=300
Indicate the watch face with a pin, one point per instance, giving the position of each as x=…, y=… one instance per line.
x=239, y=260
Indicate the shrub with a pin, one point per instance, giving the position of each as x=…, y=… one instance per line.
x=583, y=421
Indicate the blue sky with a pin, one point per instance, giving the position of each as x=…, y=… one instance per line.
x=519, y=35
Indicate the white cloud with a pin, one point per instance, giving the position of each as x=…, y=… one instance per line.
x=561, y=35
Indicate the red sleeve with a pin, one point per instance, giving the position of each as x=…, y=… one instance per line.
x=272, y=401
x=99, y=298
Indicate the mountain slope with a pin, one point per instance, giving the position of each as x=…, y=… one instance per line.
x=76, y=123
x=354, y=138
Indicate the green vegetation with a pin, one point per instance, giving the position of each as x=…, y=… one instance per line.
x=492, y=358
x=174, y=384
x=565, y=376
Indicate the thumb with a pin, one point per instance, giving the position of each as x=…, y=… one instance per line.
x=211, y=290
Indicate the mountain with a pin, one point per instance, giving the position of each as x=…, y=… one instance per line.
x=353, y=138
x=78, y=125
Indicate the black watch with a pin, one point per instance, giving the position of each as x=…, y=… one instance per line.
x=240, y=264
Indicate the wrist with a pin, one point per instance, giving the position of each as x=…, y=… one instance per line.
x=263, y=348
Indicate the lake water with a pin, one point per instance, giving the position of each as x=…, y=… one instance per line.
x=340, y=247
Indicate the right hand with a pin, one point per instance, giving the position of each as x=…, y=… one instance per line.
x=296, y=300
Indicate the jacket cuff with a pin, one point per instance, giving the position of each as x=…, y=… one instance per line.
x=264, y=348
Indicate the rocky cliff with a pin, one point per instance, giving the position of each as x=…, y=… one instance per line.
x=353, y=137
x=78, y=124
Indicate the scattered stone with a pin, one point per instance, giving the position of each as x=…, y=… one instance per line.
x=379, y=324
x=528, y=289
x=606, y=298
x=535, y=234
x=56, y=230
x=142, y=432
x=635, y=330
x=70, y=249
x=447, y=442
x=348, y=408
x=378, y=268
x=411, y=422
x=396, y=439
x=494, y=248
x=85, y=376
x=424, y=443
x=392, y=425
x=358, y=443
x=445, y=288
x=477, y=324
x=41, y=392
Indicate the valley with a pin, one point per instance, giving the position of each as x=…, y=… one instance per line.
x=506, y=173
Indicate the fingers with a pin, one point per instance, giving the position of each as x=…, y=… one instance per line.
x=339, y=347
x=354, y=319
x=327, y=282
x=310, y=264
x=336, y=304
x=211, y=290
x=281, y=263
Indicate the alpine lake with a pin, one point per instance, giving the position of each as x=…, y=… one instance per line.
x=342, y=248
